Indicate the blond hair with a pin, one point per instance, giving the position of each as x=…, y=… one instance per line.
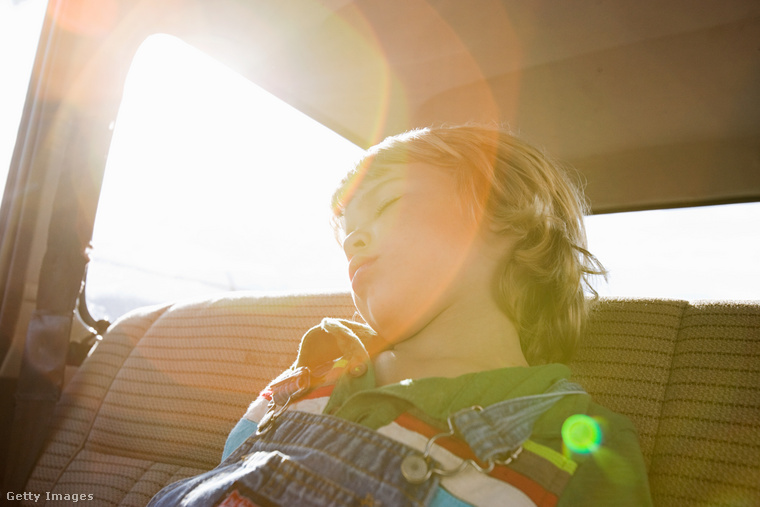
x=519, y=191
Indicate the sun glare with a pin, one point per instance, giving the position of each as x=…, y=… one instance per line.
x=20, y=25
x=212, y=183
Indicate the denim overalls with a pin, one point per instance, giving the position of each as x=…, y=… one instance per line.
x=305, y=459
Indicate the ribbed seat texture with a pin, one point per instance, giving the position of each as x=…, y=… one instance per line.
x=156, y=400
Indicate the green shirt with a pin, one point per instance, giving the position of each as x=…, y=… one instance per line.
x=614, y=474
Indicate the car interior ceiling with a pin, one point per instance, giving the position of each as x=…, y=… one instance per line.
x=657, y=104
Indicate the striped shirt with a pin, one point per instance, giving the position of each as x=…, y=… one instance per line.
x=546, y=472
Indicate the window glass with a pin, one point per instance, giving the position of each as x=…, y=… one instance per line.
x=20, y=25
x=710, y=252
x=212, y=184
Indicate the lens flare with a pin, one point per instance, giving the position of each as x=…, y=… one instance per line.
x=581, y=434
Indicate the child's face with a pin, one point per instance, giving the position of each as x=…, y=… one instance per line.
x=413, y=253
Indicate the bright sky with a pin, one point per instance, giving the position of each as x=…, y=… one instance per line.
x=711, y=252
x=212, y=184
x=215, y=184
x=20, y=24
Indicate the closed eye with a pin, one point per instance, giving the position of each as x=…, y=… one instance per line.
x=384, y=205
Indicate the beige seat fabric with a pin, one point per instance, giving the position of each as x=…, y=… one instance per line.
x=708, y=444
x=156, y=400
x=625, y=360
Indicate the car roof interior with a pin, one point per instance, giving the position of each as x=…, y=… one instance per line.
x=655, y=103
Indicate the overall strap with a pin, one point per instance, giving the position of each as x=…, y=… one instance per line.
x=500, y=429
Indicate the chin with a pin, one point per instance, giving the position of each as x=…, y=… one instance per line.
x=393, y=330
x=394, y=319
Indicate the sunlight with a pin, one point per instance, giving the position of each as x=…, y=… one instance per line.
x=20, y=25
x=213, y=183
x=708, y=252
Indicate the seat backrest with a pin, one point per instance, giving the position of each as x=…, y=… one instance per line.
x=708, y=441
x=688, y=375
x=155, y=401
x=625, y=360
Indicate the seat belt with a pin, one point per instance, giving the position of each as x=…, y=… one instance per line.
x=45, y=353
x=76, y=160
x=80, y=350
x=47, y=341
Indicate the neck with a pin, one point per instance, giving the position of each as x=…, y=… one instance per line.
x=456, y=342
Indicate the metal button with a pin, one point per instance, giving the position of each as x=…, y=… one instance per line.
x=415, y=469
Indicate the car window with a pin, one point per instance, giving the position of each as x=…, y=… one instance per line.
x=20, y=25
x=707, y=252
x=211, y=184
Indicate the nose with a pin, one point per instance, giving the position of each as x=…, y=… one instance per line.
x=355, y=242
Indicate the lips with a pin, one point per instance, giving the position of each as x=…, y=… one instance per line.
x=357, y=263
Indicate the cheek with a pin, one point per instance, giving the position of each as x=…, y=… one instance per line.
x=422, y=252
x=413, y=285
x=426, y=246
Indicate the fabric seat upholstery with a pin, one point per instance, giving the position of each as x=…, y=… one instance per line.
x=155, y=401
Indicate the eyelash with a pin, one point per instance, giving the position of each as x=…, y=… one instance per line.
x=384, y=206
